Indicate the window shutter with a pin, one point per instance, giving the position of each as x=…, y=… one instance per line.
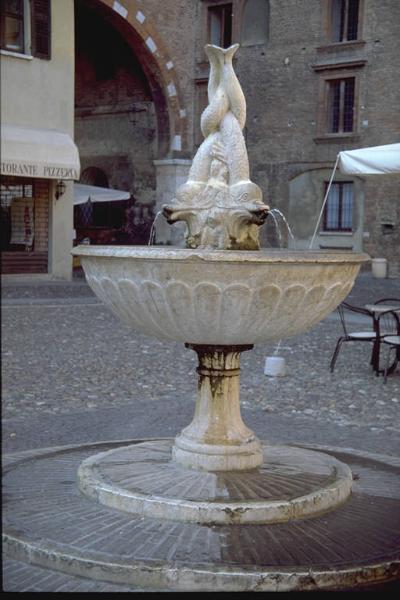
x=41, y=28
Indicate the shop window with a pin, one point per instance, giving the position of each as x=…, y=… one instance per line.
x=344, y=20
x=17, y=217
x=338, y=214
x=220, y=25
x=341, y=105
x=25, y=27
x=255, y=23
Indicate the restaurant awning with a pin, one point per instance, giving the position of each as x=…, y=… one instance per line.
x=83, y=193
x=377, y=160
x=44, y=153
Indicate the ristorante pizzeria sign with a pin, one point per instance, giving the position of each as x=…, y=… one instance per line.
x=31, y=169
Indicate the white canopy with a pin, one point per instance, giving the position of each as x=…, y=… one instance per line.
x=45, y=153
x=82, y=193
x=371, y=161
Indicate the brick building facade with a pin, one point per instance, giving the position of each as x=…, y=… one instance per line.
x=319, y=77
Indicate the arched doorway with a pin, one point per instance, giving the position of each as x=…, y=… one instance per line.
x=128, y=117
x=115, y=116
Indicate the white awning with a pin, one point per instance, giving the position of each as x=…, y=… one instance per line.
x=83, y=193
x=44, y=153
x=371, y=161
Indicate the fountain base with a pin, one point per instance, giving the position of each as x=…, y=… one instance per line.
x=208, y=457
x=141, y=479
x=62, y=531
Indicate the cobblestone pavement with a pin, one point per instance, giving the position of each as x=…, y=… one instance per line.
x=65, y=353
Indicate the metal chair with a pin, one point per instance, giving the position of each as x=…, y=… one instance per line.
x=386, y=323
x=394, y=344
x=367, y=335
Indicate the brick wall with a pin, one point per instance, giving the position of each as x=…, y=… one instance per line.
x=41, y=195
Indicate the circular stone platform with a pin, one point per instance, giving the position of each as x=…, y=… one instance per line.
x=141, y=479
x=48, y=522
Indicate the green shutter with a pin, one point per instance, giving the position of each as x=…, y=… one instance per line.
x=41, y=28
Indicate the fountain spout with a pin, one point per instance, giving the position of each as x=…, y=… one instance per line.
x=222, y=208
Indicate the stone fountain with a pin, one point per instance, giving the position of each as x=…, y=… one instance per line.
x=222, y=294
x=219, y=296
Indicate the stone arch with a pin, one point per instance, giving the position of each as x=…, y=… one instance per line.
x=131, y=20
x=94, y=176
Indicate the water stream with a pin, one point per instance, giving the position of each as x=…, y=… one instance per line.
x=276, y=211
x=153, y=229
x=272, y=212
x=277, y=227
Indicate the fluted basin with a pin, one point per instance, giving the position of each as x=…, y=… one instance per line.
x=219, y=297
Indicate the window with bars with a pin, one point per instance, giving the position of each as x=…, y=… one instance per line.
x=345, y=20
x=338, y=214
x=220, y=25
x=341, y=105
x=25, y=27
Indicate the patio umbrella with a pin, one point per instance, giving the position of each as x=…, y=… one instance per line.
x=83, y=193
x=378, y=160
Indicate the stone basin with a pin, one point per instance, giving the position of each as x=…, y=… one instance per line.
x=212, y=297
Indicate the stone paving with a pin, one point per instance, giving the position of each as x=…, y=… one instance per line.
x=49, y=521
x=74, y=355
x=73, y=373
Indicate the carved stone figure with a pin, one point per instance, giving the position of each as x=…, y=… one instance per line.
x=220, y=205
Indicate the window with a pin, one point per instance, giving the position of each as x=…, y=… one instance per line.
x=17, y=216
x=201, y=102
x=344, y=20
x=338, y=214
x=341, y=105
x=255, y=23
x=12, y=26
x=25, y=27
x=220, y=25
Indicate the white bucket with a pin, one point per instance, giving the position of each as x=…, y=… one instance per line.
x=275, y=366
x=379, y=267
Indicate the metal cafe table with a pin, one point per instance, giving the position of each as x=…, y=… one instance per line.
x=384, y=316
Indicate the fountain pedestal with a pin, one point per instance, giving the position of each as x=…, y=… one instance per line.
x=217, y=439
